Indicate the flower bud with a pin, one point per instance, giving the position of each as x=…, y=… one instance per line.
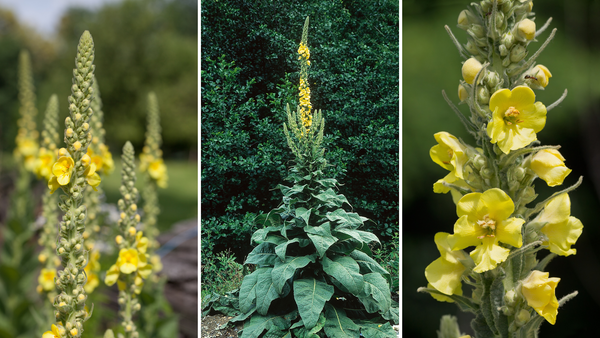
x=522, y=318
x=462, y=93
x=539, y=75
x=525, y=30
x=470, y=69
x=493, y=79
x=503, y=50
x=518, y=53
x=483, y=95
x=463, y=18
x=478, y=31
x=471, y=48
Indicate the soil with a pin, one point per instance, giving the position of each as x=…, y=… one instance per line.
x=211, y=325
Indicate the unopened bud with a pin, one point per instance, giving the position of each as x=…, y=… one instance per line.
x=518, y=53
x=483, y=95
x=526, y=30
x=470, y=69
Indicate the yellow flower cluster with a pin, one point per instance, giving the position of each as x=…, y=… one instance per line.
x=62, y=171
x=131, y=259
x=103, y=159
x=305, y=106
x=304, y=52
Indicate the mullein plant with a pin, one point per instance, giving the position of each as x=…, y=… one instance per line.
x=72, y=172
x=46, y=158
x=132, y=266
x=155, y=176
x=101, y=157
x=17, y=260
x=315, y=275
x=497, y=236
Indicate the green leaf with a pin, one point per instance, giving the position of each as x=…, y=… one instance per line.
x=362, y=236
x=248, y=289
x=482, y=330
x=281, y=249
x=310, y=296
x=265, y=292
x=368, y=264
x=263, y=254
x=345, y=246
x=337, y=325
x=302, y=332
x=321, y=237
x=256, y=326
x=328, y=182
x=346, y=271
x=285, y=270
x=486, y=304
x=376, y=296
x=331, y=199
x=346, y=220
x=497, y=301
x=374, y=330
x=304, y=214
x=259, y=235
x=289, y=192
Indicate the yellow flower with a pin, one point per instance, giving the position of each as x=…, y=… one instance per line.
x=445, y=273
x=541, y=75
x=91, y=268
x=62, y=170
x=158, y=171
x=449, y=153
x=303, y=51
x=470, y=69
x=156, y=263
x=526, y=29
x=43, y=163
x=549, y=165
x=92, y=178
x=516, y=118
x=92, y=282
x=107, y=160
x=539, y=291
x=483, y=222
x=112, y=275
x=562, y=230
x=52, y=334
x=128, y=260
x=46, y=279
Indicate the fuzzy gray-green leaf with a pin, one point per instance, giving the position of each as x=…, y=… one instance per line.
x=285, y=270
x=346, y=271
x=376, y=295
x=265, y=292
x=310, y=296
x=263, y=254
x=374, y=330
x=321, y=237
x=338, y=325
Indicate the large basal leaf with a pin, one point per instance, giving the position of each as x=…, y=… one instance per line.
x=328, y=182
x=337, y=325
x=345, y=219
x=270, y=219
x=368, y=264
x=376, y=294
x=257, y=324
x=346, y=271
x=265, y=292
x=310, y=296
x=302, y=332
x=248, y=289
x=330, y=199
x=285, y=270
x=281, y=249
x=263, y=254
x=374, y=330
x=362, y=236
x=321, y=237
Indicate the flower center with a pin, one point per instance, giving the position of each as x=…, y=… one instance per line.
x=511, y=116
x=489, y=225
x=450, y=153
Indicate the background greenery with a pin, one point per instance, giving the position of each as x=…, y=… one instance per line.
x=431, y=64
x=250, y=72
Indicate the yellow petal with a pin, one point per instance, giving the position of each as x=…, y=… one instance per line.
x=557, y=210
x=444, y=276
x=457, y=291
x=539, y=291
x=496, y=203
x=549, y=166
x=466, y=234
x=488, y=255
x=112, y=275
x=509, y=232
x=562, y=235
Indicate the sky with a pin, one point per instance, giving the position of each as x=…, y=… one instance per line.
x=44, y=15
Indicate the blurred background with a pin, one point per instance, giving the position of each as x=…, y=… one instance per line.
x=140, y=46
x=430, y=64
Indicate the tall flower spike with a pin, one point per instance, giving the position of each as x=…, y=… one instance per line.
x=46, y=157
x=305, y=105
x=132, y=266
x=155, y=175
x=70, y=302
x=27, y=134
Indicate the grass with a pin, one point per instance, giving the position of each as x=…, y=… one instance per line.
x=179, y=201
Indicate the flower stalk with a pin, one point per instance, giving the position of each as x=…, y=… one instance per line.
x=492, y=183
